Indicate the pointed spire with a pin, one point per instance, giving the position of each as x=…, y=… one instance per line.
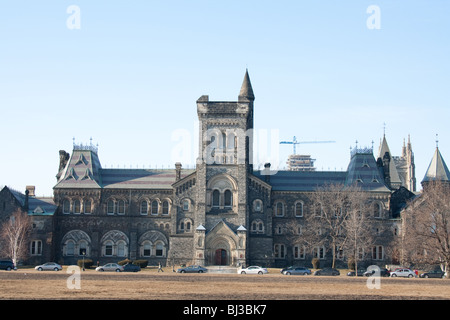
x=437, y=170
x=246, y=92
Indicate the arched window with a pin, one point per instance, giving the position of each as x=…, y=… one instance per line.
x=257, y=205
x=82, y=248
x=279, y=209
x=147, y=249
x=154, y=207
x=70, y=248
x=109, y=248
x=66, y=206
x=185, y=205
x=216, y=198
x=121, y=207
x=87, y=206
x=77, y=206
x=299, y=209
x=110, y=207
x=165, y=207
x=121, y=249
x=144, y=207
x=159, y=249
x=376, y=210
x=228, y=198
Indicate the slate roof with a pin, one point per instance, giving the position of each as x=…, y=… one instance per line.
x=83, y=170
x=37, y=206
x=437, y=170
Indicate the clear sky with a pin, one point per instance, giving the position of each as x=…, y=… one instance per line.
x=128, y=74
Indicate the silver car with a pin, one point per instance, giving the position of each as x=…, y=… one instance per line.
x=48, y=266
x=252, y=270
x=110, y=267
x=403, y=272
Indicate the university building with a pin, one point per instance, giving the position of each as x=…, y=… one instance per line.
x=223, y=212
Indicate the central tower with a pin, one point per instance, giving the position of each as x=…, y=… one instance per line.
x=223, y=165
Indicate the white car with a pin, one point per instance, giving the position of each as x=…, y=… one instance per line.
x=403, y=272
x=110, y=267
x=48, y=266
x=252, y=270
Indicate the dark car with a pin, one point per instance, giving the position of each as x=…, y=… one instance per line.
x=352, y=273
x=6, y=265
x=383, y=273
x=296, y=270
x=433, y=274
x=327, y=272
x=192, y=269
x=129, y=267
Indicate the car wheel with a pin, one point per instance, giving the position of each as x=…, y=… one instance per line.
x=305, y=274
x=242, y=272
x=410, y=275
x=8, y=268
x=425, y=276
x=260, y=272
x=117, y=270
x=39, y=269
x=288, y=273
x=56, y=269
x=101, y=270
x=393, y=275
x=200, y=271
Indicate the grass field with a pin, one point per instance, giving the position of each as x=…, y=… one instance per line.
x=148, y=284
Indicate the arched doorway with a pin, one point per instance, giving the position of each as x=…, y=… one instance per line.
x=221, y=257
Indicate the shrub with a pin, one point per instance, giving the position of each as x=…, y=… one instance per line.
x=87, y=263
x=124, y=262
x=141, y=263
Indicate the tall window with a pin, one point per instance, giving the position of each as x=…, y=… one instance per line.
x=144, y=207
x=110, y=207
x=109, y=248
x=121, y=249
x=299, y=209
x=279, y=251
x=66, y=206
x=377, y=253
x=376, y=210
x=165, y=207
x=121, y=207
x=82, y=248
x=147, y=250
x=76, y=206
x=154, y=207
x=185, y=204
x=279, y=210
x=87, y=204
x=70, y=248
x=36, y=248
x=159, y=249
x=228, y=198
x=299, y=252
x=216, y=198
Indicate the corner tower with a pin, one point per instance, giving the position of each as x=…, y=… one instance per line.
x=223, y=165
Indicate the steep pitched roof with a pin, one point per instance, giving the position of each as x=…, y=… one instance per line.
x=393, y=173
x=363, y=172
x=246, y=88
x=437, y=170
x=83, y=170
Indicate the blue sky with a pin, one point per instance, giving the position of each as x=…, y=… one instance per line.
x=130, y=76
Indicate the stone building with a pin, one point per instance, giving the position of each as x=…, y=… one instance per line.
x=223, y=212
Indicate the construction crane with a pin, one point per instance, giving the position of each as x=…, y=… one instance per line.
x=294, y=142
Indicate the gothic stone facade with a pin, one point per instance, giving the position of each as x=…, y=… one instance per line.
x=220, y=213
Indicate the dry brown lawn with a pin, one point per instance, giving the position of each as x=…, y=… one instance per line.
x=149, y=285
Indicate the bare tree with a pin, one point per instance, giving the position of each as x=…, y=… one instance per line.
x=14, y=235
x=426, y=227
x=358, y=227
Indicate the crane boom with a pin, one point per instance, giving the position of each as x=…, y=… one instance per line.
x=294, y=142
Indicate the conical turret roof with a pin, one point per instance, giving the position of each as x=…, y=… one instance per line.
x=437, y=170
x=246, y=89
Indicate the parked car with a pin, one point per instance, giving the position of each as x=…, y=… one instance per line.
x=433, y=274
x=383, y=273
x=110, y=267
x=352, y=273
x=296, y=270
x=129, y=267
x=252, y=270
x=327, y=272
x=192, y=269
x=49, y=266
x=7, y=265
x=403, y=272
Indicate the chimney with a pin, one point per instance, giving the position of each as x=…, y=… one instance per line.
x=31, y=190
x=177, y=171
x=266, y=172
